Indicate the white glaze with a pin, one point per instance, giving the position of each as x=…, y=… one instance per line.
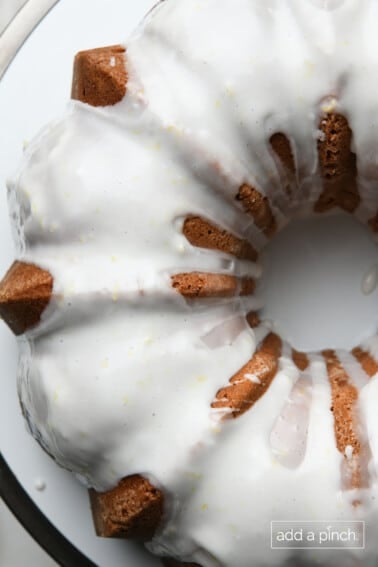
x=120, y=375
x=370, y=281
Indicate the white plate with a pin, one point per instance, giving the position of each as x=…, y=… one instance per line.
x=33, y=91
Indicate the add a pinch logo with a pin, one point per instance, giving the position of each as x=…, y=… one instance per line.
x=318, y=535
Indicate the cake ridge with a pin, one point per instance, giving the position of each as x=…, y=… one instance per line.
x=355, y=473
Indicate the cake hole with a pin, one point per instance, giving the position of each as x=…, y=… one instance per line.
x=314, y=273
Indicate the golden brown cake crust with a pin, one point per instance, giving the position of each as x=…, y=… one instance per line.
x=199, y=285
x=344, y=408
x=367, y=362
x=300, y=359
x=282, y=149
x=205, y=234
x=25, y=292
x=100, y=76
x=259, y=208
x=131, y=510
x=243, y=393
x=338, y=166
x=253, y=319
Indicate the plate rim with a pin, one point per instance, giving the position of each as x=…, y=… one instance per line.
x=17, y=31
x=56, y=545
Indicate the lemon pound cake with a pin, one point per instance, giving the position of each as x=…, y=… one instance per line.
x=146, y=367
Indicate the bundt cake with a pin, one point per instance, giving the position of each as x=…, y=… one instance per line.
x=146, y=366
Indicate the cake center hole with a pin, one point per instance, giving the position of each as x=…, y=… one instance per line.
x=318, y=283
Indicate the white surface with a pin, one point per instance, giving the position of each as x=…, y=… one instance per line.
x=17, y=548
x=49, y=52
